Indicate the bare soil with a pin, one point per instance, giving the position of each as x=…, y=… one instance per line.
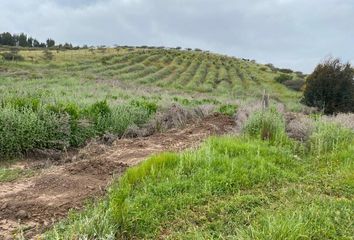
x=36, y=203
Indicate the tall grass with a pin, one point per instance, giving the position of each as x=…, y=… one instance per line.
x=237, y=188
x=266, y=124
x=28, y=123
x=329, y=137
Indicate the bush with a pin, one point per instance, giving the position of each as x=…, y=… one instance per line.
x=26, y=123
x=151, y=107
x=23, y=130
x=283, y=77
x=285, y=70
x=295, y=85
x=330, y=87
x=228, y=109
x=266, y=124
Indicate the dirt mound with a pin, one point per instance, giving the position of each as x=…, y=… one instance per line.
x=98, y=167
x=34, y=204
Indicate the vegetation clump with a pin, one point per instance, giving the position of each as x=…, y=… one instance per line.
x=283, y=77
x=331, y=87
x=266, y=124
x=28, y=123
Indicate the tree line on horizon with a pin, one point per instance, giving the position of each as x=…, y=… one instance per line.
x=22, y=40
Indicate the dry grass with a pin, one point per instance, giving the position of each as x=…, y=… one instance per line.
x=344, y=119
x=171, y=117
x=299, y=126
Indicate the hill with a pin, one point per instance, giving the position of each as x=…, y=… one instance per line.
x=169, y=68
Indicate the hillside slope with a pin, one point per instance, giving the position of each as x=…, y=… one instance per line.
x=177, y=69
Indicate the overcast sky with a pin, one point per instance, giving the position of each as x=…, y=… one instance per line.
x=288, y=33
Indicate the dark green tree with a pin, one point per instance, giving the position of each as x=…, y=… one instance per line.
x=7, y=39
x=30, y=42
x=22, y=40
x=36, y=43
x=50, y=43
x=331, y=87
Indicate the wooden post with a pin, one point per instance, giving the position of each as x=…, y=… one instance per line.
x=265, y=100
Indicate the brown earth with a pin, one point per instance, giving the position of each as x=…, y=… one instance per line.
x=36, y=203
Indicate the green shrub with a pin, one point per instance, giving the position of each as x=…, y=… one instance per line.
x=151, y=107
x=283, y=77
x=121, y=118
x=228, y=109
x=329, y=137
x=267, y=124
x=23, y=130
x=285, y=70
x=25, y=123
x=99, y=109
x=22, y=103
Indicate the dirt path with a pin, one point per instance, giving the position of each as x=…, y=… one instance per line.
x=34, y=204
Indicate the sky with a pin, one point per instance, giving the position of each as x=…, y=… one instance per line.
x=294, y=34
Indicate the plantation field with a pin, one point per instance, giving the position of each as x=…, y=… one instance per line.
x=174, y=69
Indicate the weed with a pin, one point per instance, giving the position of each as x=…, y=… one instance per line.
x=228, y=109
x=266, y=124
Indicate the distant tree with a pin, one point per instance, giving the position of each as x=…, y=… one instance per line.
x=30, y=42
x=283, y=77
x=331, y=87
x=68, y=46
x=22, y=40
x=285, y=70
x=7, y=39
x=36, y=43
x=50, y=43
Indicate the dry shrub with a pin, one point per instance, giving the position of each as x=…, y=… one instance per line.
x=345, y=120
x=298, y=126
x=172, y=117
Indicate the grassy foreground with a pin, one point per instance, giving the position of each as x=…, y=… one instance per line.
x=231, y=188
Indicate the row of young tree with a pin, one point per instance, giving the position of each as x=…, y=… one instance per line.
x=22, y=40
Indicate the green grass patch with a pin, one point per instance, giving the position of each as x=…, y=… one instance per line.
x=228, y=109
x=231, y=188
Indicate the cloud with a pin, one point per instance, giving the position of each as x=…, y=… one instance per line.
x=288, y=33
